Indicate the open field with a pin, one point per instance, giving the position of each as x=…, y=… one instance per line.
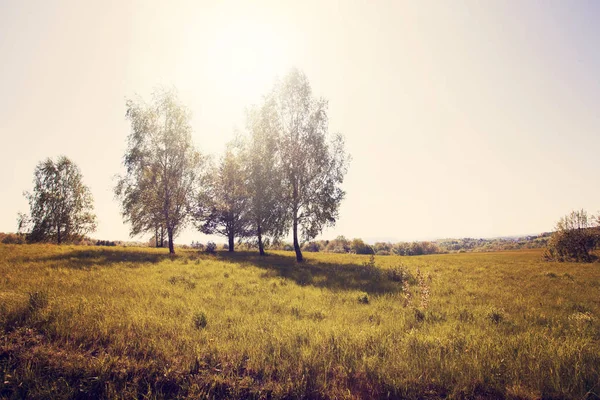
x=86, y=322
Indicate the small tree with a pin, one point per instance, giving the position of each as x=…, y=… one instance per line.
x=575, y=236
x=61, y=206
x=222, y=206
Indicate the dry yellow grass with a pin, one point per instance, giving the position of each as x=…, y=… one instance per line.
x=85, y=322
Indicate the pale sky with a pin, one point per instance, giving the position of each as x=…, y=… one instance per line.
x=474, y=119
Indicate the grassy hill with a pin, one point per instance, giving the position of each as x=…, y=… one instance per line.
x=85, y=322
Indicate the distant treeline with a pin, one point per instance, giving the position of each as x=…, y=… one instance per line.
x=343, y=245
x=358, y=246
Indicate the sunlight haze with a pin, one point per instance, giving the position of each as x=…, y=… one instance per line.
x=463, y=119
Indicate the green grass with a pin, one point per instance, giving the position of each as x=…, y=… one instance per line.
x=85, y=322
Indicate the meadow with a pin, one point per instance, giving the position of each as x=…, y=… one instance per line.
x=90, y=322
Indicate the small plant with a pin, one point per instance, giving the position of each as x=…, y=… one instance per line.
x=465, y=315
x=363, y=298
x=419, y=315
x=200, y=320
x=495, y=316
x=38, y=300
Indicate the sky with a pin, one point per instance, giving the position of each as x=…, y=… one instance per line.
x=463, y=119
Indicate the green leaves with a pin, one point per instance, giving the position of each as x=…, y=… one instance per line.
x=61, y=206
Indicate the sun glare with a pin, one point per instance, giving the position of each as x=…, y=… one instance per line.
x=244, y=57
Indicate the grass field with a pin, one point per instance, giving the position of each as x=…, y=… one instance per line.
x=86, y=322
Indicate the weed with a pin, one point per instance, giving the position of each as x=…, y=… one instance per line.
x=419, y=315
x=495, y=315
x=199, y=319
x=38, y=300
x=465, y=315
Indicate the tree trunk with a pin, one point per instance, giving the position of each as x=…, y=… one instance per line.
x=162, y=237
x=171, y=246
x=58, y=238
x=156, y=236
x=231, y=242
x=261, y=247
x=296, y=244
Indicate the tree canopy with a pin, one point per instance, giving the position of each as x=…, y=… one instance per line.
x=162, y=166
x=313, y=164
x=222, y=205
x=576, y=235
x=61, y=206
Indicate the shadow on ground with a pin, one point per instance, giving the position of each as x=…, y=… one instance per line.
x=335, y=276
x=98, y=257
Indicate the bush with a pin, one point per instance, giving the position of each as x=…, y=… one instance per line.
x=198, y=246
x=360, y=247
x=312, y=247
x=400, y=274
x=211, y=248
x=12, y=238
x=288, y=247
x=575, y=237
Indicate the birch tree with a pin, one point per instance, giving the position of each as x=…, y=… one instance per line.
x=313, y=163
x=163, y=168
x=266, y=210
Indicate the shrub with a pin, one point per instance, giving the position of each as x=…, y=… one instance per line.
x=358, y=246
x=12, y=238
x=311, y=247
x=399, y=274
x=197, y=245
x=211, y=248
x=576, y=236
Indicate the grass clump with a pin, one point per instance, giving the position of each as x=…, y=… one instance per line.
x=200, y=320
x=363, y=298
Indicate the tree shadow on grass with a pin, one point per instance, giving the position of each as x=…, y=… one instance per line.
x=98, y=257
x=334, y=276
